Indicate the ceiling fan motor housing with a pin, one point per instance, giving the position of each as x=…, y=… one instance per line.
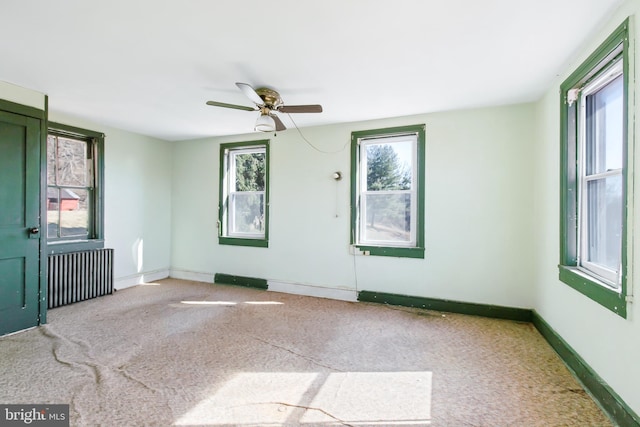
x=271, y=98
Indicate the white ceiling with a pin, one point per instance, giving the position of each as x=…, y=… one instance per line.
x=149, y=66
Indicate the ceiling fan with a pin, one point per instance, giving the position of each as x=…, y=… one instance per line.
x=268, y=102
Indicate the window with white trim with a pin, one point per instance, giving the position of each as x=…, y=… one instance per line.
x=600, y=186
x=244, y=193
x=594, y=177
x=74, y=200
x=387, y=186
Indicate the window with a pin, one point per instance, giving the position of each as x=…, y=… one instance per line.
x=74, y=188
x=387, y=191
x=594, y=174
x=244, y=194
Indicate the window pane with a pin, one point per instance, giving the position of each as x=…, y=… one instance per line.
x=389, y=166
x=604, y=226
x=604, y=128
x=250, y=171
x=53, y=203
x=72, y=162
x=247, y=213
x=74, y=212
x=51, y=160
x=388, y=218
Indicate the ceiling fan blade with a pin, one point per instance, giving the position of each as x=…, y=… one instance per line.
x=279, y=125
x=237, y=107
x=301, y=108
x=250, y=93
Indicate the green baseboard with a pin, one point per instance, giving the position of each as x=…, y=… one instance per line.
x=611, y=403
x=608, y=399
x=485, y=310
x=250, y=282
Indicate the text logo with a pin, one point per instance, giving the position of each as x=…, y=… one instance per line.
x=34, y=415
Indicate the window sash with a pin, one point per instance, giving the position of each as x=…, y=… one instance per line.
x=232, y=162
x=593, y=234
x=90, y=179
x=363, y=237
x=233, y=226
x=590, y=210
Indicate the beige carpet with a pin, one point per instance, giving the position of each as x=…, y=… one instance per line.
x=186, y=353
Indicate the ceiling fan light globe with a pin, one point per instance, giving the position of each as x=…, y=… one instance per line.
x=265, y=123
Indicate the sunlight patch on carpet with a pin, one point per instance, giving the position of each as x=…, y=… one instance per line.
x=208, y=302
x=354, y=398
x=251, y=398
x=264, y=302
x=226, y=303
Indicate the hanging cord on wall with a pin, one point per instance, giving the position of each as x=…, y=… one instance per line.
x=355, y=269
x=337, y=201
x=313, y=146
x=353, y=249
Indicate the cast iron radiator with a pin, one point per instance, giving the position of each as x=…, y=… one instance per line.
x=79, y=276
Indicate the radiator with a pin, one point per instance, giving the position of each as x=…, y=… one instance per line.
x=79, y=276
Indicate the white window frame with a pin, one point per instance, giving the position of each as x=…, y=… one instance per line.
x=363, y=143
x=611, y=278
x=94, y=238
x=227, y=233
x=617, y=47
x=231, y=192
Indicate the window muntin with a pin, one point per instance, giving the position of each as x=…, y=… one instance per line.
x=71, y=191
x=387, y=191
x=244, y=193
x=600, y=189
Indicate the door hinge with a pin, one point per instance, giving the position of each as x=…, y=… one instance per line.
x=629, y=299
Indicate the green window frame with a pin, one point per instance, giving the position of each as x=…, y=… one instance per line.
x=243, y=212
x=594, y=189
x=388, y=181
x=75, y=189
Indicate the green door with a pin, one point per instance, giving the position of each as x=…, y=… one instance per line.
x=19, y=222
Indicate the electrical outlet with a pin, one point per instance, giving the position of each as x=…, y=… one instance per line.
x=354, y=250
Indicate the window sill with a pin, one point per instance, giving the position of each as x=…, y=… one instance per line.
x=66, y=246
x=593, y=288
x=237, y=241
x=392, y=251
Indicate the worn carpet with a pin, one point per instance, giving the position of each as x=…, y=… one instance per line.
x=185, y=353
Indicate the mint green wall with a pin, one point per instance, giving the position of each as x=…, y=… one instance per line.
x=137, y=194
x=478, y=211
x=20, y=95
x=137, y=202
x=608, y=343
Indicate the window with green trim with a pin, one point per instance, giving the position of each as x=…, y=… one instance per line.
x=74, y=188
x=594, y=174
x=244, y=194
x=387, y=191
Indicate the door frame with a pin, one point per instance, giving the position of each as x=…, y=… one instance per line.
x=41, y=115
